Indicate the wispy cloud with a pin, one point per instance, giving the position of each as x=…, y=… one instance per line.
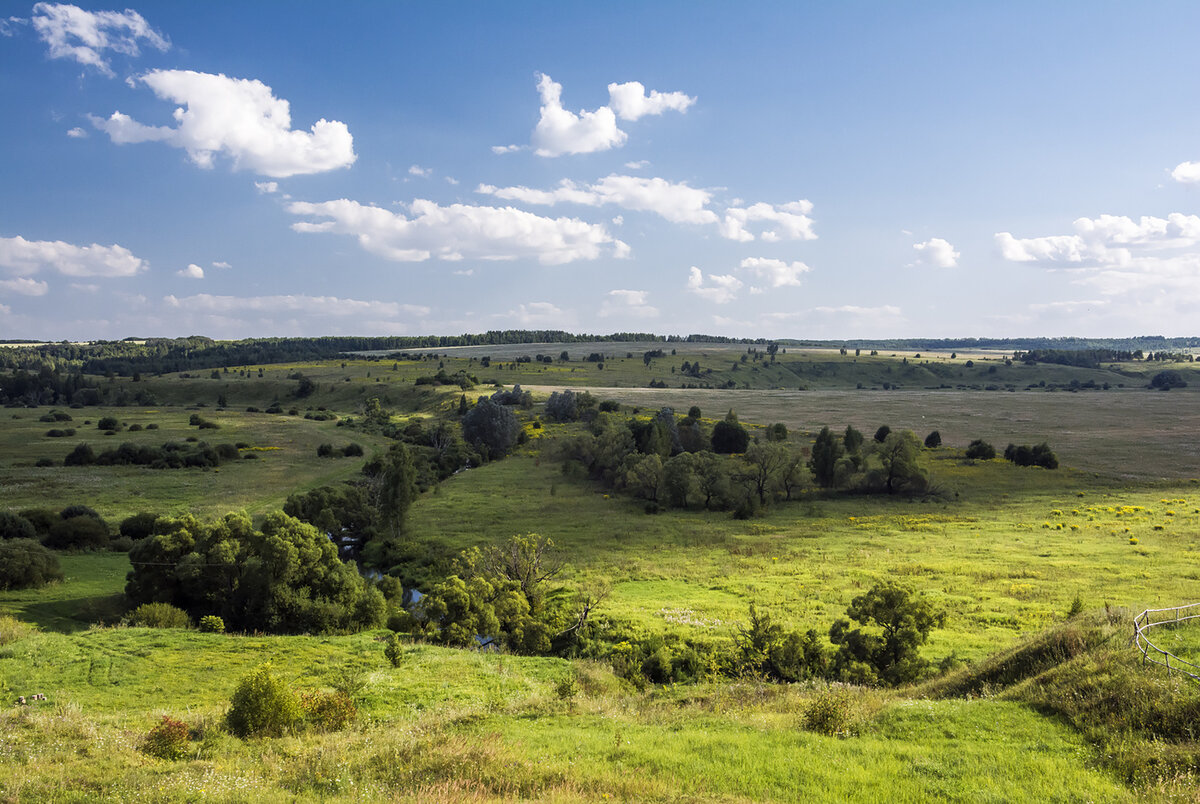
x=85, y=36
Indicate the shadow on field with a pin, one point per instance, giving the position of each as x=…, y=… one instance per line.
x=70, y=616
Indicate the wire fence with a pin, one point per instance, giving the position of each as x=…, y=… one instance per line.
x=1152, y=618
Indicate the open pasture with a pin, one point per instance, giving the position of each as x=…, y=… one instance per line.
x=284, y=450
x=1134, y=436
x=1008, y=557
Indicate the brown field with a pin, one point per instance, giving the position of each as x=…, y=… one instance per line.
x=1129, y=435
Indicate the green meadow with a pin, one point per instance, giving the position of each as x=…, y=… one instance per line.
x=1034, y=701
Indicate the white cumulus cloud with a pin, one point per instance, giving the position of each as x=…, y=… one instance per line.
x=677, y=203
x=1186, y=173
x=24, y=286
x=417, y=170
x=631, y=102
x=84, y=36
x=193, y=271
x=629, y=303
x=459, y=231
x=776, y=273
x=936, y=252
x=720, y=289
x=789, y=221
x=292, y=304
x=1151, y=263
x=77, y=133
x=561, y=132
x=30, y=256
x=238, y=118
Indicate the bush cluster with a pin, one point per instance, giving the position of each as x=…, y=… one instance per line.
x=167, y=740
x=159, y=615
x=1037, y=455
x=25, y=564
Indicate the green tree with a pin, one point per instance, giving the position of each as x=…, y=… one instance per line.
x=491, y=427
x=882, y=433
x=764, y=462
x=679, y=480
x=898, y=455
x=25, y=564
x=899, y=625
x=645, y=476
x=980, y=450
x=826, y=451
x=712, y=479
x=729, y=437
x=395, y=488
x=933, y=440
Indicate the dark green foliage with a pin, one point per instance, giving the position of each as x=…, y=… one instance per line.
x=882, y=433
x=263, y=706
x=890, y=652
x=491, y=427
x=1038, y=455
x=325, y=451
x=55, y=416
x=393, y=651
x=82, y=455
x=77, y=533
x=284, y=578
x=25, y=564
x=694, y=412
x=568, y=406
x=768, y=651
x=898, y=456
x=108, y=423
x=56, y=433
x=1166, y=380
x=933, y=440
x=729, y=437
x=500, y=596
x=42, y=519
x=980, y=450
x=352, y=451
x=15, y=526
x=826, y=452
x=852, y=440
x=159, y=615
x=828, y=713
x=171, y=455
x=777, y=432
x=79, y=510
x=345, y=512
x=167, y=740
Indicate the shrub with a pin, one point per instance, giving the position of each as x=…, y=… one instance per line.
x=25, y=564
x=15, y=526
x=933, y=440
x=77, y=533
x=108, y=423
x=159, y=615
x=328, y=711
x=325, y=451
x=352, y=451
x=12, y=629
x=263, y=706
x=980, y=450
x=56, y=433
x=828, y=714
x=82, y=455
x=212, y=624
x=121, y=544
x=168, y=740
x=80, y=510
x=138, y=526
x=882, y=433
x=42, y=519
x=394, y=650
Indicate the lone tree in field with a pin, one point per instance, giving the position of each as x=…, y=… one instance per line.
x=891, y=654
x=1166, y=380
x=980, y=450
x=933, y=440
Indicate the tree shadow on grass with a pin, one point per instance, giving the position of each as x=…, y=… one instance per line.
x=78, y=614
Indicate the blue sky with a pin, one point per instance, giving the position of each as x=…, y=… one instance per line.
x=806, y=170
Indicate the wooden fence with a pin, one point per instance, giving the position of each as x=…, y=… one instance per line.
x=1151, y=618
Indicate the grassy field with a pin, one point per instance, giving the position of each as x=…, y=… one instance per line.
x=1004, y=551
x=284, y=448
x=458, y=726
